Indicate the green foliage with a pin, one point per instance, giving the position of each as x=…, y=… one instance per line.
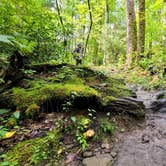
x=3, y=131
x=106, y=126
x=32, y=111
x=35, y=151
x=92, y=114
x=8, y=121
x=81, y=124
x=11, y=122
x=4, y=111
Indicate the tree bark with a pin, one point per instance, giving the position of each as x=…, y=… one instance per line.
x=90, y=28
x=106, y=58
x=62, y=24
x=141, y=29
x=131, y=40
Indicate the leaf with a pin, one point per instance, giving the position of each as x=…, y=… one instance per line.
x=73, y=118
x=6, y=39
x=4, y=111
x=16, y=114
x=9, y=134
x=3, y=131
x=60, y=151
x=5, y=163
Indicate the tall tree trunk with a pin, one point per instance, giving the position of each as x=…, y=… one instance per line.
x=106, y=58
x=90, y=28
x=131, y=40
x=62, y=24
x=141, y=29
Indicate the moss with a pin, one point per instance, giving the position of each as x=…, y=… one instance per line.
x=23, y=98
x=11, y=122
x=107, y=100
x=119, y=91
x=32, y=111
x=34, y=151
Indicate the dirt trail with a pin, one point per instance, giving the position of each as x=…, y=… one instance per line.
x=145, y=146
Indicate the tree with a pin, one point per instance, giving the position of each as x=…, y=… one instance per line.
x=131, y=40
x=90, y=27
x=105, y=59
x=141, y=28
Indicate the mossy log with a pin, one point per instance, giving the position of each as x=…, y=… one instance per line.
x=63, y=87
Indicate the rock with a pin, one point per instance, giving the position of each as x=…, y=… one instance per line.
x=113, y=154
x=101, y=160
x=162, y=110
x=105, y=146
x=97, y=150
x=161, y=94
x=106, y=151
x=70, y=146
x=159, y=105
x=87, y=154
x=128, y=105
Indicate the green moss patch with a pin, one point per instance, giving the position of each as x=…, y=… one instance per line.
x=33, y=151
x=23, y=98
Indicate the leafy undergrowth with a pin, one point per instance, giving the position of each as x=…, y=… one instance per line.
x=137, y=76
x=33, y=151
x=55, y=137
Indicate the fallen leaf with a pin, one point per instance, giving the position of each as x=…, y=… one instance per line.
x=9, y=134
x=60, y=151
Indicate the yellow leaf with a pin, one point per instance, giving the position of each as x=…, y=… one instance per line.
x=9, y=134
x=60, y=151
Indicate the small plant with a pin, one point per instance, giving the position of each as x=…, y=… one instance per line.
x=30, y=72
x=92, y=114
x=81, y=125
x=107, y=127
x=32, y=111
x=8, y=122
x=69, y=102
x=38, y=154
x=3, y=131
x=66, y=106
x=81, y=139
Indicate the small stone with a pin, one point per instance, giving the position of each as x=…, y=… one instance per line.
x=70, y=146
x=97, y=150
x=145, y=139
x=107, y=151
x=97, y=153
x=113, y=154
x=102, y=160
x=87, y=154
x=105, y=146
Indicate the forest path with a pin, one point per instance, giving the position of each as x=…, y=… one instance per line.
x=145, y=146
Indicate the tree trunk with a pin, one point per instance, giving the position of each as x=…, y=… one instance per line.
x=131, y=40
x=106, y=58
x=90, y=28
x=62, y=24
x=141, y=28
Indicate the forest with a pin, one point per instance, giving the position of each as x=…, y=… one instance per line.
x=82, y=82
